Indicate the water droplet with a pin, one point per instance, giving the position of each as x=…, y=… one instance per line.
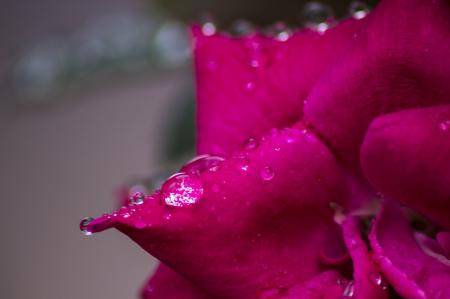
x=202, y=163
x=349, y=290
x=358, y=10
x=317, y=16
x=267, y=173
x=242, y=28
x=84, y=226
x=251, y=144
x=249, y=86
x=378, y=280
x=280, y=31
x=137, y=198
x=445, y=125
x=182, y=189
x=209, y=28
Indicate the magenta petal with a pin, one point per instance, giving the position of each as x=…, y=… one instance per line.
x=406, y=156
x=262, y=217
x=368, y=281
x=167, y=284
x=399, y=60
x=248, y=85
x=443, y=239
x=413, y=274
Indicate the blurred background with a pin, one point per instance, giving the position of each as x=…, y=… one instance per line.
x=96, y=98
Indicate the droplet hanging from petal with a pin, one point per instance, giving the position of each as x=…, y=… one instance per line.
x=84, y=226
x=209, y=28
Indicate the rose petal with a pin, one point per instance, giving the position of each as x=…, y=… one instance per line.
x=399, y=60
x=368, y=282
x=443, y=239
x=236, y=100
x=411, y=272
x=262, y=217
x=167, y=284
x=406, y=156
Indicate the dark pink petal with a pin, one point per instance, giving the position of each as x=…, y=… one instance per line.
x=406, y=156
x=399, y=60
x=263, y=215
x=167, y=284
x=368, y=282
x=443, y=239
x=412, y=272
x=248, y=85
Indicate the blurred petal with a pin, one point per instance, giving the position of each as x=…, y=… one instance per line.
x=399, y=60
x=411, y=272
x=406, y=156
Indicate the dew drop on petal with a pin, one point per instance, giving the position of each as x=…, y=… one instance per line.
x=84, y=226
x=267, y=173
x=444, y=126
x=279, y=31
x=243, y=163
x=251, y=144
x=317, y=16
x=209, y=28
x=137, y=198
x=377, y=280
x=249, y=86
x=349, y=290
x=202, y=163
x=358, y=10
x=182, y=189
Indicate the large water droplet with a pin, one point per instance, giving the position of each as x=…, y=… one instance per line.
x=317, y=16
x=358, y=10
x=202, y=163
x=182, y=189
x=378, y=280
x=267, y=173
x=445, y=125
x=242, y=28
x=349, y=290
x=251, y=144
x=84, y=226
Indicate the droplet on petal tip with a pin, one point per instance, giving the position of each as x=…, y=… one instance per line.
x=209, y=28
x=202, y=163
x=84, y=226
x=377, y=280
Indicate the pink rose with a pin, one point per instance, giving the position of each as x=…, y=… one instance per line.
x=303, y=137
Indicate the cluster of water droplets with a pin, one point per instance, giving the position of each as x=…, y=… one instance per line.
x=314, y=16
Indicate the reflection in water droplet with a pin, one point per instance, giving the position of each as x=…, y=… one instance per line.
x=181, y=190
x=349, y=290
x=209, y=29
x=445, y=125
x=317, y=16
x=202, y=163
x=358, y=10
x=84, y=226
x=243, y=163
x=267, y=173
x=251, y=144
x=378, y=280
x=137, y=198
